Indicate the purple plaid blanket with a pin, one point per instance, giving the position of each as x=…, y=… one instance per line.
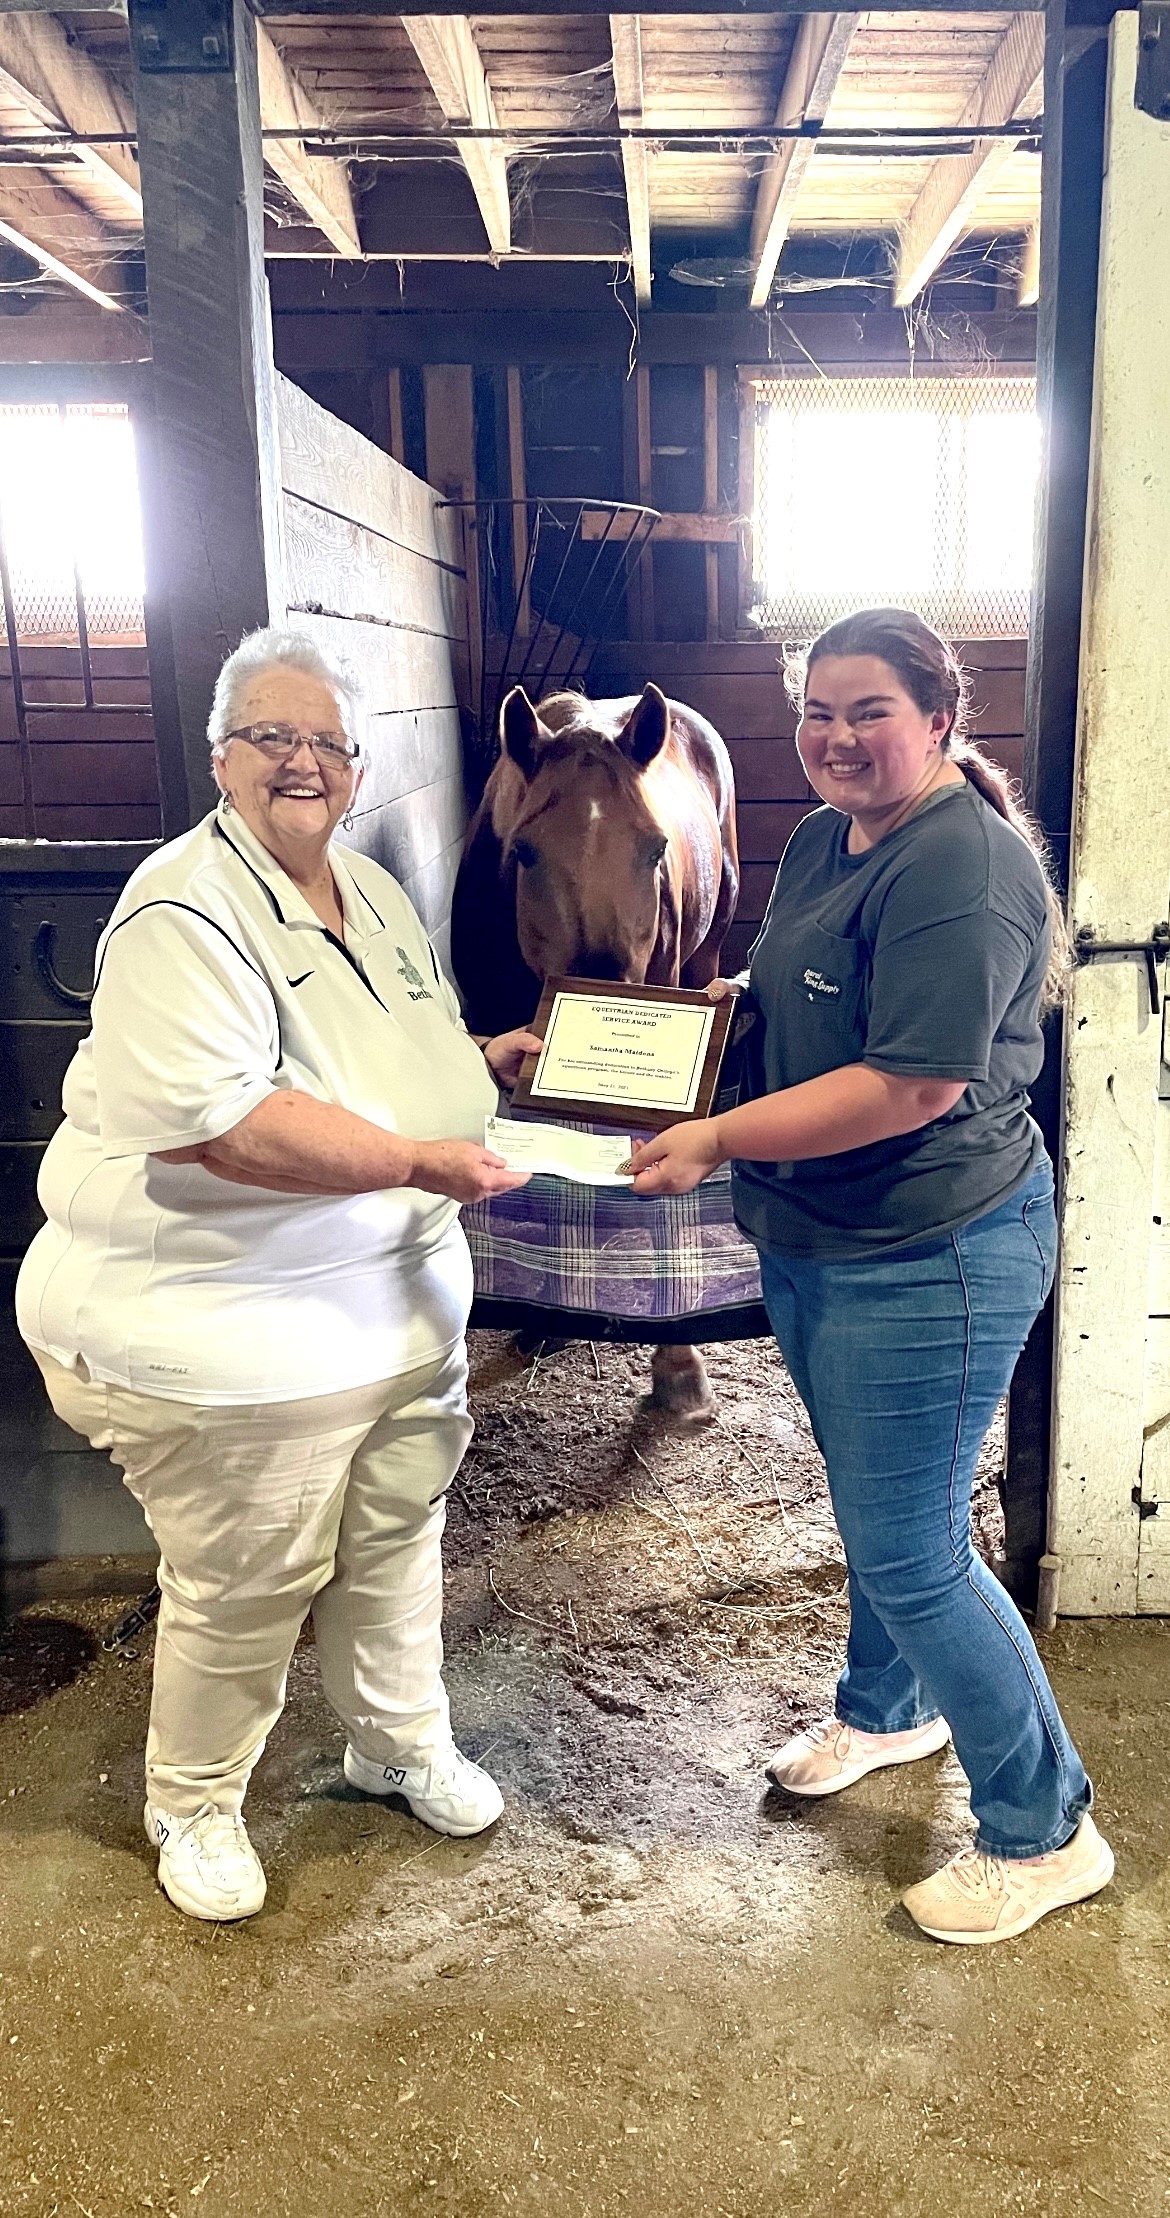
x=603, y=1249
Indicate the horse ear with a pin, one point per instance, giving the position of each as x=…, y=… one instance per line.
x=521, y=730
x=644, y=733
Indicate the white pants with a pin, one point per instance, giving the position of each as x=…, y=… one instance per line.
x=334, y=1504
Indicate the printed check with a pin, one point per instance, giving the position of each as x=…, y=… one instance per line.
x=588, y=1158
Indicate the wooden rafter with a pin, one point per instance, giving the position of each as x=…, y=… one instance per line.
x=625, y=32
x=59, y=85
x=818, y=57
x=321, y=187
x=446, y=47
x=59, y=233
x=1013, y=86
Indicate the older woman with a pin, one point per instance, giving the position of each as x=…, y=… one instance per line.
x=252, y=1288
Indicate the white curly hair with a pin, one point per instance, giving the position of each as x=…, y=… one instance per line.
x=277, y=648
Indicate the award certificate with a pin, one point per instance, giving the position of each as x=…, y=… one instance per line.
x=633, y=1055
x=610, y=1052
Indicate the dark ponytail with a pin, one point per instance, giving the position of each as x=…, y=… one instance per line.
x=934, y=678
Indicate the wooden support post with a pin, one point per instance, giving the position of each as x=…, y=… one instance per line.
x=449, y=419
x=211, y=481
x=711, y=490
x=1110, y=1525
x=518, y=492
x=645, y=461
x=397, y=430
x=1076, y=71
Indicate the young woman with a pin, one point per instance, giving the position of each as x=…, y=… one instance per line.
x=902, y=1202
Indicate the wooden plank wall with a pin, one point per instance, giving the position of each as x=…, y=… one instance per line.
x=737, y=685
x=94, y=770
x=374, y=571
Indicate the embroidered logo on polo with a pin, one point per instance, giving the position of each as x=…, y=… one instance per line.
x=821, y=985
x=416, y=987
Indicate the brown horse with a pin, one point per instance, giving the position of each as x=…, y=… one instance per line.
x=604, y=847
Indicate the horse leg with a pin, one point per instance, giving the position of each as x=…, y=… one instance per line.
x=681, y=1387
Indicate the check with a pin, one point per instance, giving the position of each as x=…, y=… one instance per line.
x=588, y=1158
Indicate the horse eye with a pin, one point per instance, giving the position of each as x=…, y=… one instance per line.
x=655, y=852
x=525, y=853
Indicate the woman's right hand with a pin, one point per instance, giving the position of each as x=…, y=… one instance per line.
x=462, y=1170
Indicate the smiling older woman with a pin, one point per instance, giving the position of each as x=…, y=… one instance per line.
x=253, y=1288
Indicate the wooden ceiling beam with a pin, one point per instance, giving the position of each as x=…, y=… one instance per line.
x=59, y=85
x=440, y=9
x=1013, y=86
x=445, y=45
x=62, y=87
x=318, y=185
x=59, y=233
x=818, y=57
x=625, y=35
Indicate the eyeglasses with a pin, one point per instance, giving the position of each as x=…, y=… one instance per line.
x=332, y=749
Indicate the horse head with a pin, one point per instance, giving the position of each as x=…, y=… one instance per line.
x=589, y=851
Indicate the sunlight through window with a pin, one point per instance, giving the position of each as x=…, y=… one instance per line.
x=916, y=491
x=70, y=522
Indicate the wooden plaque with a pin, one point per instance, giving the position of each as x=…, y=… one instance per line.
x=639, y=1056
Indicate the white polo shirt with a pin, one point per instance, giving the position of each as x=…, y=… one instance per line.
x=217, y=985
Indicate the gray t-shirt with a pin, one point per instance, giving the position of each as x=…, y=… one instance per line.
x=924, y=957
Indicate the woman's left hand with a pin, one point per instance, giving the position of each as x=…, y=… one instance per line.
x=505, y=1054
x=676, y=1160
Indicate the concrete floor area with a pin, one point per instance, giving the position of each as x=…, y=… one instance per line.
x=688, y=2004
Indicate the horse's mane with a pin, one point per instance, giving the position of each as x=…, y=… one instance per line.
x=562, y=709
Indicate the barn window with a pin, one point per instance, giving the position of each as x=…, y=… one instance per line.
x=69, y=520
x=918, y=491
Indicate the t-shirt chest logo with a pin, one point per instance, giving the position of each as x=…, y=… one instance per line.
x=415, y=986
x=820, y=986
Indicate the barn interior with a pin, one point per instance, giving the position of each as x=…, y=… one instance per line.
x=544, y=347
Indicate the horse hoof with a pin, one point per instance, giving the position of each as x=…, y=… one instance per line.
x=681, y=1390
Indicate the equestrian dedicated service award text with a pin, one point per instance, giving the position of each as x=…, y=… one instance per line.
x=646, y=1056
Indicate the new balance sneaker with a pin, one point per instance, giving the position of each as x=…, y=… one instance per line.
x=832, y=1755
x=980, y=1898
x=206, y=1864
x=451, y=1794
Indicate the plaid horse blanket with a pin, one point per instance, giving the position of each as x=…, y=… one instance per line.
x=604, y=1250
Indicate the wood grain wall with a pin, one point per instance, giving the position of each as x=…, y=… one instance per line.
x=737, y=685
x=374, y=572
x=93, y=771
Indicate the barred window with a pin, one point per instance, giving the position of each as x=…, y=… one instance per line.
x=69, y=520
x=917, y=492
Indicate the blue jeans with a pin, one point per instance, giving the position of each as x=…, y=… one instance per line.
x=901, y=1362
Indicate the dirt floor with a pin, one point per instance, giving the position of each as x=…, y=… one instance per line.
x=654, y=1989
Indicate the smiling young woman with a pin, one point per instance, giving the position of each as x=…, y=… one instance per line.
x=891, y=1176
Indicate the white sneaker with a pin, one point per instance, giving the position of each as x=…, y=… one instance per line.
x=980, y=1898
x=831, y=1755
x=451, y=1794
x=206, y=1864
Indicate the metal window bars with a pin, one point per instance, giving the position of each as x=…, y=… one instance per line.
x=888, y=488
x=547, y=578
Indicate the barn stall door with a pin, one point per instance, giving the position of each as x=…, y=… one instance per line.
x=374, y=571
x=80, y=807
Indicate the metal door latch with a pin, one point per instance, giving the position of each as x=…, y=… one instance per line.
x=1155, y=949
x=1152, y=90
